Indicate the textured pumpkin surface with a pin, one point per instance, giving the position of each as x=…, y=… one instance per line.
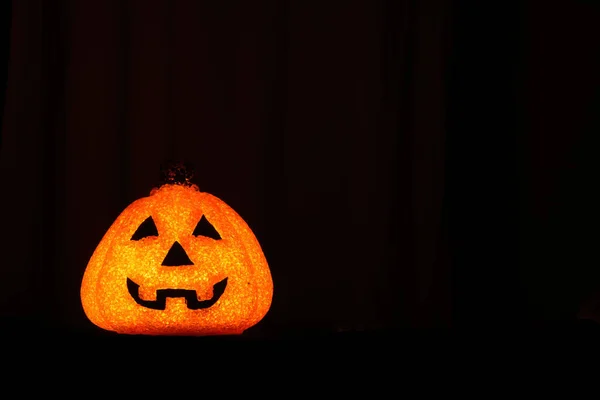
x=176, y=210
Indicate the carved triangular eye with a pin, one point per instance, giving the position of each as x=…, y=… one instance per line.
x=204, y=228
x=146, y=228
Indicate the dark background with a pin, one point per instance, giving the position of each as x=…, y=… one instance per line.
x=403, y=163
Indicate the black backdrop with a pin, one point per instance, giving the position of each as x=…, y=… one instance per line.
x=403, y=163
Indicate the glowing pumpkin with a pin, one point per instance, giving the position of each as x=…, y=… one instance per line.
x=178, y=262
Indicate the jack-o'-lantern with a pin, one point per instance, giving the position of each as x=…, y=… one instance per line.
x=178, y=262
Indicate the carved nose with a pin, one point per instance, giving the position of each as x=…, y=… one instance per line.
x=176, y=257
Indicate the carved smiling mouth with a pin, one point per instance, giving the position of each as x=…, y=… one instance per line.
x=191, y=299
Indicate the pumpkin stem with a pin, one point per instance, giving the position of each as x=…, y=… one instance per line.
x=176, y=173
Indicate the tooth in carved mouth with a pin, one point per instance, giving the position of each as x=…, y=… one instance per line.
x=191, y=299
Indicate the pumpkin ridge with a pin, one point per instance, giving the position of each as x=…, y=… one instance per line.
x=255, y=264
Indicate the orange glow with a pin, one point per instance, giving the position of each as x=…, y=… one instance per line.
x=125, y=284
